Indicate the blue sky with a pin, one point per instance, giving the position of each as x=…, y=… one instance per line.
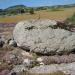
x=34, y=3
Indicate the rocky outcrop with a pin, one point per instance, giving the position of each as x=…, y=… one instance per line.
x=39, y=37
x=68, y=69
x=17, y=56
x=19, y=68
x=56, y=59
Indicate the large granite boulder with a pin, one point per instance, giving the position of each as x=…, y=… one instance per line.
x=38, y=36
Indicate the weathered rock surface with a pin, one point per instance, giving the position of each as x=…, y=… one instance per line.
x=17, y=69
x=39, y=37
x=66, y=68
x=15, y=60
x=16, y=56
x=56, y=59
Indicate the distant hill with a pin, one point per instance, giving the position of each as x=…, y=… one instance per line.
x=65, y=6
x=13, y=10
x=56, y=6
x=16, y=7
x=19, y=9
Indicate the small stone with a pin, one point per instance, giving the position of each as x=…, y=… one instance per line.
x=12, y=43
x=14, y=73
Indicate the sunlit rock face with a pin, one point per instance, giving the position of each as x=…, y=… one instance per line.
x=38, y=36
x=68, y=69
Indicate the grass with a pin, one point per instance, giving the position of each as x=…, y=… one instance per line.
x=44, y=14
x=54, y=15
x=55, y=73
x=71, y=19
x=57, y=9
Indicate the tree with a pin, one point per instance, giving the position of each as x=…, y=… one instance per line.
x=31, y=11
x=1, y=10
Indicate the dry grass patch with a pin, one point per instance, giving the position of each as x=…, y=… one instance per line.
x=55, y=73
x=55, y=15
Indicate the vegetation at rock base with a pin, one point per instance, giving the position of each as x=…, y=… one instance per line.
x=71, y=19
x=56, y=73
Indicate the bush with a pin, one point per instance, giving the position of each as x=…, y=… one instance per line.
x=71, y=20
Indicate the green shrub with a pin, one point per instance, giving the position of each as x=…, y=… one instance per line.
x=71, y=19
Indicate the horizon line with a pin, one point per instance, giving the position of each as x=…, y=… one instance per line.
x=39, y=5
